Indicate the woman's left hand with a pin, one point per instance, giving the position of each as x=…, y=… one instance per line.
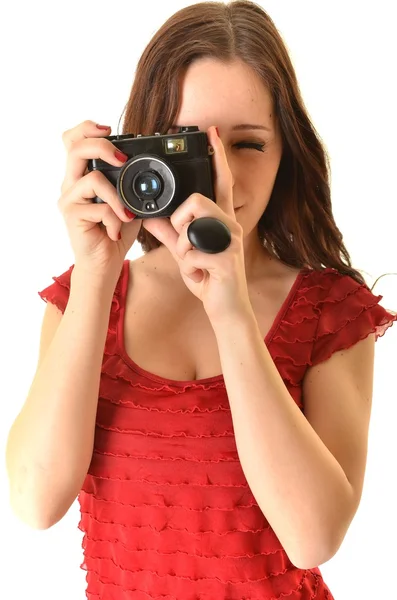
x=218, y=280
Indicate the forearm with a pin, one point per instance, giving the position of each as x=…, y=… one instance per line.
x=50, y=444
x=300, y=487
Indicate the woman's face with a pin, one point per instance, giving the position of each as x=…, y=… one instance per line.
x=226, y=96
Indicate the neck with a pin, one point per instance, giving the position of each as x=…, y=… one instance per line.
x=257, y=259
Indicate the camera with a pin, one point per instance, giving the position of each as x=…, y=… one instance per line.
x=161, y=172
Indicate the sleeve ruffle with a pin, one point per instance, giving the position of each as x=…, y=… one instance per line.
x=58, y=292
x=348, y=314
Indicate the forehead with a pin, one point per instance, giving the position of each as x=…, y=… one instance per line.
x=212, y=90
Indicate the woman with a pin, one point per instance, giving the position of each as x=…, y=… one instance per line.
x=209, y=411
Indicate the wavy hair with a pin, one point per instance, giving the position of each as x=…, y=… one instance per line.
x=298, y=226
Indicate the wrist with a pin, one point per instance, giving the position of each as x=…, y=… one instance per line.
x=103, y=283
x=233, y=319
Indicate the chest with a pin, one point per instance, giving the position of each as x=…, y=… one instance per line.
x=169, y=334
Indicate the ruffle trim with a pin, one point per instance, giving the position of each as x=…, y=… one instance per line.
x=134, y=536
x=201, y=506
x=176, y=550
x=186, y=577
x=187, y=586
x=329, y=312
x=156, y=573
x=89, y=484
x=348, y=314
x=58, y=292
x=199, y=501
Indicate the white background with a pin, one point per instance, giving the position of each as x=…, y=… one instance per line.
x=64, y=63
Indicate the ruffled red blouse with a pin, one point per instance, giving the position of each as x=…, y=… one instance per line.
x=166, y=510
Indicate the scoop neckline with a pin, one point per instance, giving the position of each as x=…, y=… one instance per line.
x=187, y=382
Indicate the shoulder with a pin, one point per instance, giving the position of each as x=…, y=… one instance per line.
x=57, y=292
x=338, y=383
x=346, y=312
x=329, y=312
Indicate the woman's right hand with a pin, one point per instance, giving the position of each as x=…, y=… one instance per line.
x=97, y=249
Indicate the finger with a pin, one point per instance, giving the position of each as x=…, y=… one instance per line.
x=86, y=129
x=183, y=245
x=222, y=267
x=195, y=206
x=86, y=217
x=165, y=233
x=162, y=230
x=193, y=265
x=90, y=215
x=185, y=253
x=193, y=273
x=83, y=150
x=88, y=187
x=223, y=181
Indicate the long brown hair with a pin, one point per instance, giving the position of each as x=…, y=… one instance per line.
x=297, y=226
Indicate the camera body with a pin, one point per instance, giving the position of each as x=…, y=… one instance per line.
x=161, y=172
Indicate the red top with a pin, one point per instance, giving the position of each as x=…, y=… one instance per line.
x=166, y=510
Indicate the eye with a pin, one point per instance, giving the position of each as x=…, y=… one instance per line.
x=252, y=145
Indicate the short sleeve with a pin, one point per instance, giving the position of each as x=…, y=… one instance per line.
x=347, y=315
x=58, y=292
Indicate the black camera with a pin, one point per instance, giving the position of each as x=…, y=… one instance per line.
x=162, y=171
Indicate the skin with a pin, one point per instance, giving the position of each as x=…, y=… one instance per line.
x=213, y=93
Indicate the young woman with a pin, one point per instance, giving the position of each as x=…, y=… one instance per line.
x=209, y=411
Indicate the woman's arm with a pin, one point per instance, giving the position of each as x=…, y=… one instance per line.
x=299, y=485
x=50, y=444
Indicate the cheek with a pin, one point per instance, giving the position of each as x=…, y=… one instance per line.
x=252, y=180
x=248, y=174
x=254, y=175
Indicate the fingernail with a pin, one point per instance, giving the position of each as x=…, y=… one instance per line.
x=103, y=127
x=129, y=214
x=120, y=156
x=217, y=131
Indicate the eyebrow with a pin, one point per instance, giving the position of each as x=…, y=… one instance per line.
x=239, y=127
x=244, y=126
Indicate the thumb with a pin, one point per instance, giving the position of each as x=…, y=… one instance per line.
x=129, y=232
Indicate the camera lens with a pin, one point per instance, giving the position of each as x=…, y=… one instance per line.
x=146, y=185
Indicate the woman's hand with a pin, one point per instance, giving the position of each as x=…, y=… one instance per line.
x=98, y=249
x=218, y=280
